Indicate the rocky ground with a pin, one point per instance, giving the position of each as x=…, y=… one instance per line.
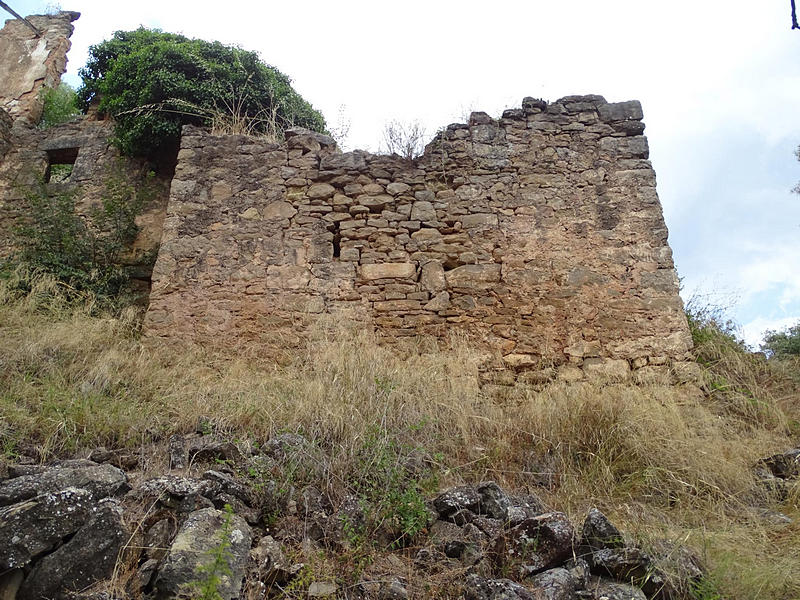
x=226, y=522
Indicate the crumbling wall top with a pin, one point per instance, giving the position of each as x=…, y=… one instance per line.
x=29, y=62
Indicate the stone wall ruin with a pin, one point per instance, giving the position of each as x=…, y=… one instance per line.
x=29, y=62
x=539, y=235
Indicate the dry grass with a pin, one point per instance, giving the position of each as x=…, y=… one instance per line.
x=665, y=462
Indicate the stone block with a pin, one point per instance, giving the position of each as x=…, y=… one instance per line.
x=479, y=220
x=616, y=369
x=388, y=271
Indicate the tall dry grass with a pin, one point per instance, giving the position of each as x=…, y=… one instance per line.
x=665, y=462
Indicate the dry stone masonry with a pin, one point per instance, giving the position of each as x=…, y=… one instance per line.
x=29, y=62
x=539, y=235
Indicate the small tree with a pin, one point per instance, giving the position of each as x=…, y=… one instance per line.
x=782, y=344
x=152, y=83
x=404, y=139
x=60, y=106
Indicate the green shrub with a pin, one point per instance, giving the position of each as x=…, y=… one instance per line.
x=781, y=344
x=389, y=488
x=60, y=106
x=153, y=83
x=82, y=251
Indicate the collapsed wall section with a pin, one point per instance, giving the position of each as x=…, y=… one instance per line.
x=31, y=61
x=540, y=235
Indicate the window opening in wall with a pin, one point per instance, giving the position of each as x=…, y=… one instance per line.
x=60, y=164
x=337, y=241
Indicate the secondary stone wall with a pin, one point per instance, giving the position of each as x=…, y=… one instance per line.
x=87, y=141
x=28, y=63
x=540, y=235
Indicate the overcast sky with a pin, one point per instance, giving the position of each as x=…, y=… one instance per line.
x=719, y=81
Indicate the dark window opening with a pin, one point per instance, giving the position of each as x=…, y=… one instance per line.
x=337, y=242
x=60, y=164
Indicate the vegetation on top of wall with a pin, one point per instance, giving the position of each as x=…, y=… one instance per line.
x=152, y=83
x=59, y=106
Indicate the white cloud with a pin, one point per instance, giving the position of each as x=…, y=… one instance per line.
x=753, y=331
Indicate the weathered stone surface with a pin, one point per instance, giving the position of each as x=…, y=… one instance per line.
x=99, y=480
x=624, y=564
x=607, y=368
x=32, y=62
x=599, y=532
x=455, y=499
x=535, y=545
x=271, y=565
x=88, y=557
x=493, y=500
x=36, y=525
x=532, y=233
x=605, y=589
x=190, y=551
x=555, y=584
x=478, y=588
x=388, y=271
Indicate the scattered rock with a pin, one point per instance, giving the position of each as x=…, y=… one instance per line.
x=535, y=545
x=457, y=499
x=88, y=557
x=394, y=590
x=555, y=584
x=183, y=494
x=493, y=501
x=599, y=532
x=271, y=565
x=478, y=588
x=37, y=525
x=604, y=589
x=785, y=465
x=100, y=481
x=198, y=536
x=321, y=589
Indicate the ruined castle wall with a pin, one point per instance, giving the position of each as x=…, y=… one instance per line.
x=29, y=62
x=540, y=235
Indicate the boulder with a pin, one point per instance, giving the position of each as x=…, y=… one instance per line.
x=100, y=481
x=88, y=557
x=479, y=588
x=37, y=525
x=190, y=556
x=598, y=532
x=456, y=499
x=535, y=545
